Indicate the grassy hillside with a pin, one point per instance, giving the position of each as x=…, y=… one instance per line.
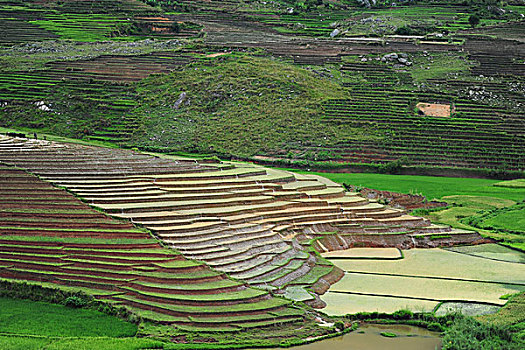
x=266, y=79
x=238, y=105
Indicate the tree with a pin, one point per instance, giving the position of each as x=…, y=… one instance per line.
x=473, y=20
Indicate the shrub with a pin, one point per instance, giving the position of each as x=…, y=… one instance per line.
x=402, y=315
x=468, y=333
x=339, y=325
x=473, y=20
x=388, y=334
x=393, y=167
x=435, y=327
x=75, y=302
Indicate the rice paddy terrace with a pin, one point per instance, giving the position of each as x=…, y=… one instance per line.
x=29, y=21
x=213, y=247
x=51, y=238
x=468, y=278
x=252, y=223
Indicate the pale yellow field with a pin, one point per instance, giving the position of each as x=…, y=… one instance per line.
x=425, y=288
x=370, y=253
x=426, y=275
x=342, y=304
x=440, y=263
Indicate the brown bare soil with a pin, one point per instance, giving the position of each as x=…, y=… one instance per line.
x=435, y=109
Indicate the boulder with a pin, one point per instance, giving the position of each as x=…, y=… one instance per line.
x=391, y=56
x=181, y=99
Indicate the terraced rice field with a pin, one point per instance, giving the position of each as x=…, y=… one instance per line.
x=425, y=140
x=364, y=253
x=426, y=277
x=491, y=251
x=342, y=304
x=49, y=237
x=79, y=20
x=254, y=224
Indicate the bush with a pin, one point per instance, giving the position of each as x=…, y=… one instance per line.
x=339, y=325
x=402, y=315
x=393, y=167
x=388, y=334
x=435, y=327
x=75, y=302
x=467, y=333
x=473, y=20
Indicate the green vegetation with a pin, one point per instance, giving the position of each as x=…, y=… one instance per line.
x=509, y=219
x=225, y=98
x=511, y=316
x=388, y=334
x=339, y=104
x=431, y=187
x=141, y=74
x=467, y=333
x=474, y=204
x=39, y=318
x=439, y=65
x=56, y=326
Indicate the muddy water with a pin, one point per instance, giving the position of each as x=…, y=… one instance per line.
x=368, y=337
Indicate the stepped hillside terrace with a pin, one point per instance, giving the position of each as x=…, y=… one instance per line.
x=50, y=238
x=253, y=223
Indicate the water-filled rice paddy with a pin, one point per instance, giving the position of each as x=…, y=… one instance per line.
x=424, y=288
x=342, y=304
x=425, y=277
x=469, y=309
x=364, y=253
x=491, y=251
x=437, y=262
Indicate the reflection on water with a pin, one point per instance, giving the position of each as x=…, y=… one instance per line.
x=368, y=337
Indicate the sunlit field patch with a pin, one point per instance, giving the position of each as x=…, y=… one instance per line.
x=342, y=304
x=425, y=277
x=424, y=288
x=491, y=251
x=364, y=253
x=441, y=263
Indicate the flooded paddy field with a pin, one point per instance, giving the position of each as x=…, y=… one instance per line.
x=473, y=280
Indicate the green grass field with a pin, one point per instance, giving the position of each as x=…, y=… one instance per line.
x=31, y=318
x=429, y=186
x=511, y=219
x=82, y=343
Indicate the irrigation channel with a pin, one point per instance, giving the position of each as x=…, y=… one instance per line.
x=368, y=337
